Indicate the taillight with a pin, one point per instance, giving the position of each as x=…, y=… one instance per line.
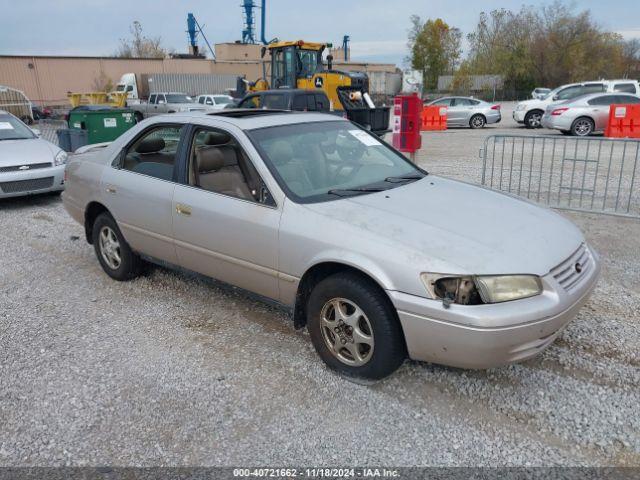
x=495, y=107
x=559, y=111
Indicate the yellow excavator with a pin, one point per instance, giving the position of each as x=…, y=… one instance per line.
x=298, y=64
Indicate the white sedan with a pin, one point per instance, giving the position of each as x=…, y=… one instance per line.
x=215, y=102
x=28, y=164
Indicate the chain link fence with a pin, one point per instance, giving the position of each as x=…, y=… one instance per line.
x=586, y=174
x=48, y=129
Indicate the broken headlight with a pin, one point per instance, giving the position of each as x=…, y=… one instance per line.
x=474, y=290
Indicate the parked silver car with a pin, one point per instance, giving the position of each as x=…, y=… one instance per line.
x=376, y=257
x=468, y=112
x=584, y=115
x=28, y=164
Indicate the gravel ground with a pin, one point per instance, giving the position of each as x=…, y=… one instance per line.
x=171, y=369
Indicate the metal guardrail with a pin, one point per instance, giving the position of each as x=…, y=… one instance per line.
x=599, y=175
x=48, y=129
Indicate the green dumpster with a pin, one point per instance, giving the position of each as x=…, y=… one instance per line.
x=102, y=125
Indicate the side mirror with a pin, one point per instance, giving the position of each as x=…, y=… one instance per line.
x=36, y=132
x=555, y=97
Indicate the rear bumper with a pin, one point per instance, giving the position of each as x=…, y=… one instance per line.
x=556, y=122
x=493, y=118
x=486, y=336
x=32, y=182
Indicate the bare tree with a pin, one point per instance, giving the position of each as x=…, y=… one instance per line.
x=140, y=46
x=102, y=83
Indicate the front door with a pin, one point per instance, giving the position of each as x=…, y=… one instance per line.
x=225, y=222
x=139, y=191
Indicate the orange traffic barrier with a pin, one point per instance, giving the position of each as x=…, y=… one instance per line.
x=434, y=118
x=624, y=121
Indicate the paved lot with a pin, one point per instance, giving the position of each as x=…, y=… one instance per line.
x=172, y=370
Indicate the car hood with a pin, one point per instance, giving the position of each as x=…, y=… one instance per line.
x=464, y=228
x=534, y=103
x=26, y=152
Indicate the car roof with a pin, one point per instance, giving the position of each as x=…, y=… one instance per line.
x=249, y=119
x=590, y=96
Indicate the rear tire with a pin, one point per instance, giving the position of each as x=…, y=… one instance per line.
x=113, y=252
x=477, y=121
x=582, y=127
x=533, y=119
x=354, y=327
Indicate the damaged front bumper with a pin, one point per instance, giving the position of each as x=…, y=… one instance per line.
x=490, y=335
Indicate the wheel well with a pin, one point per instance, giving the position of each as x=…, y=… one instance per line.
x=478, y=115
x=90, y=214
x=315, y=275
x=587, y=117
x=535, y=110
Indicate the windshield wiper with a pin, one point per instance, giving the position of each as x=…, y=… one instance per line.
x=341, y=192
x=404, y=178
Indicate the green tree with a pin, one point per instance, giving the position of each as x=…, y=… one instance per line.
x=435, y=49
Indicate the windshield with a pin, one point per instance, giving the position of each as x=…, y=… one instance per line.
x=13, y=129
x=328, y=160
x=222, y=100
x=178, y=98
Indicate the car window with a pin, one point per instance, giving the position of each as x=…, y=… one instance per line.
x=592, y=88
x=461, y=102
x=311, y=102
x=251, y=102
x=299, y=103
x=569, y=93
x=152, y=99
x=154, y=153
x=178, y=98
x=322, y=102
x=219, y=164
x=624, y=87
x=323, y=161
x=13, y=129
x=604, y=100
x=209, y=101
x=201, y=99
x=274, y=100
x=627, y=99
x=444, y=102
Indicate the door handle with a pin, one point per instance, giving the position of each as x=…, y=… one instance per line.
x=183, y=209
x=111, y=189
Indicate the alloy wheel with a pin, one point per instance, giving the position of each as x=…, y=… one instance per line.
x=535, y=120
x=110, y=248
x=582, y=127
x=477, y=122
x=347, y=332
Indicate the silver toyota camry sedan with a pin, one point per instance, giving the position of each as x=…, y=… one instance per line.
x=28, y=164
x=377, y=258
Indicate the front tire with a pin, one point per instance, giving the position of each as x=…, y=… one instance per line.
x=533, y=119
x=582, y=127
x=477, y=121
x=113, y=252
x=354, y=327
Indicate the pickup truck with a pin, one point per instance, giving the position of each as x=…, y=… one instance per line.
x=169, y=102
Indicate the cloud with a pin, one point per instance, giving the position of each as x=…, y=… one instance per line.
x=378, y=47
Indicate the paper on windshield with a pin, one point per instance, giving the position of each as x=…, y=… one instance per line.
x=6, y=126
x=365, y=138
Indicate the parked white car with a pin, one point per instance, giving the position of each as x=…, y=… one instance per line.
x=530, y=112
x=585, y=115
x=539, y=93
x=215, y=102
x=28, y=164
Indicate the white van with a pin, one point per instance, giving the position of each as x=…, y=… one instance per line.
x=530, y=112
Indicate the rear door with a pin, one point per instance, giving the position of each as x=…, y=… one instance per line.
x=139, y=190
x=457, y=112
x=599, y=108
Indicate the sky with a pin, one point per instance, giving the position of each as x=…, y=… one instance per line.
x=378, y=28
